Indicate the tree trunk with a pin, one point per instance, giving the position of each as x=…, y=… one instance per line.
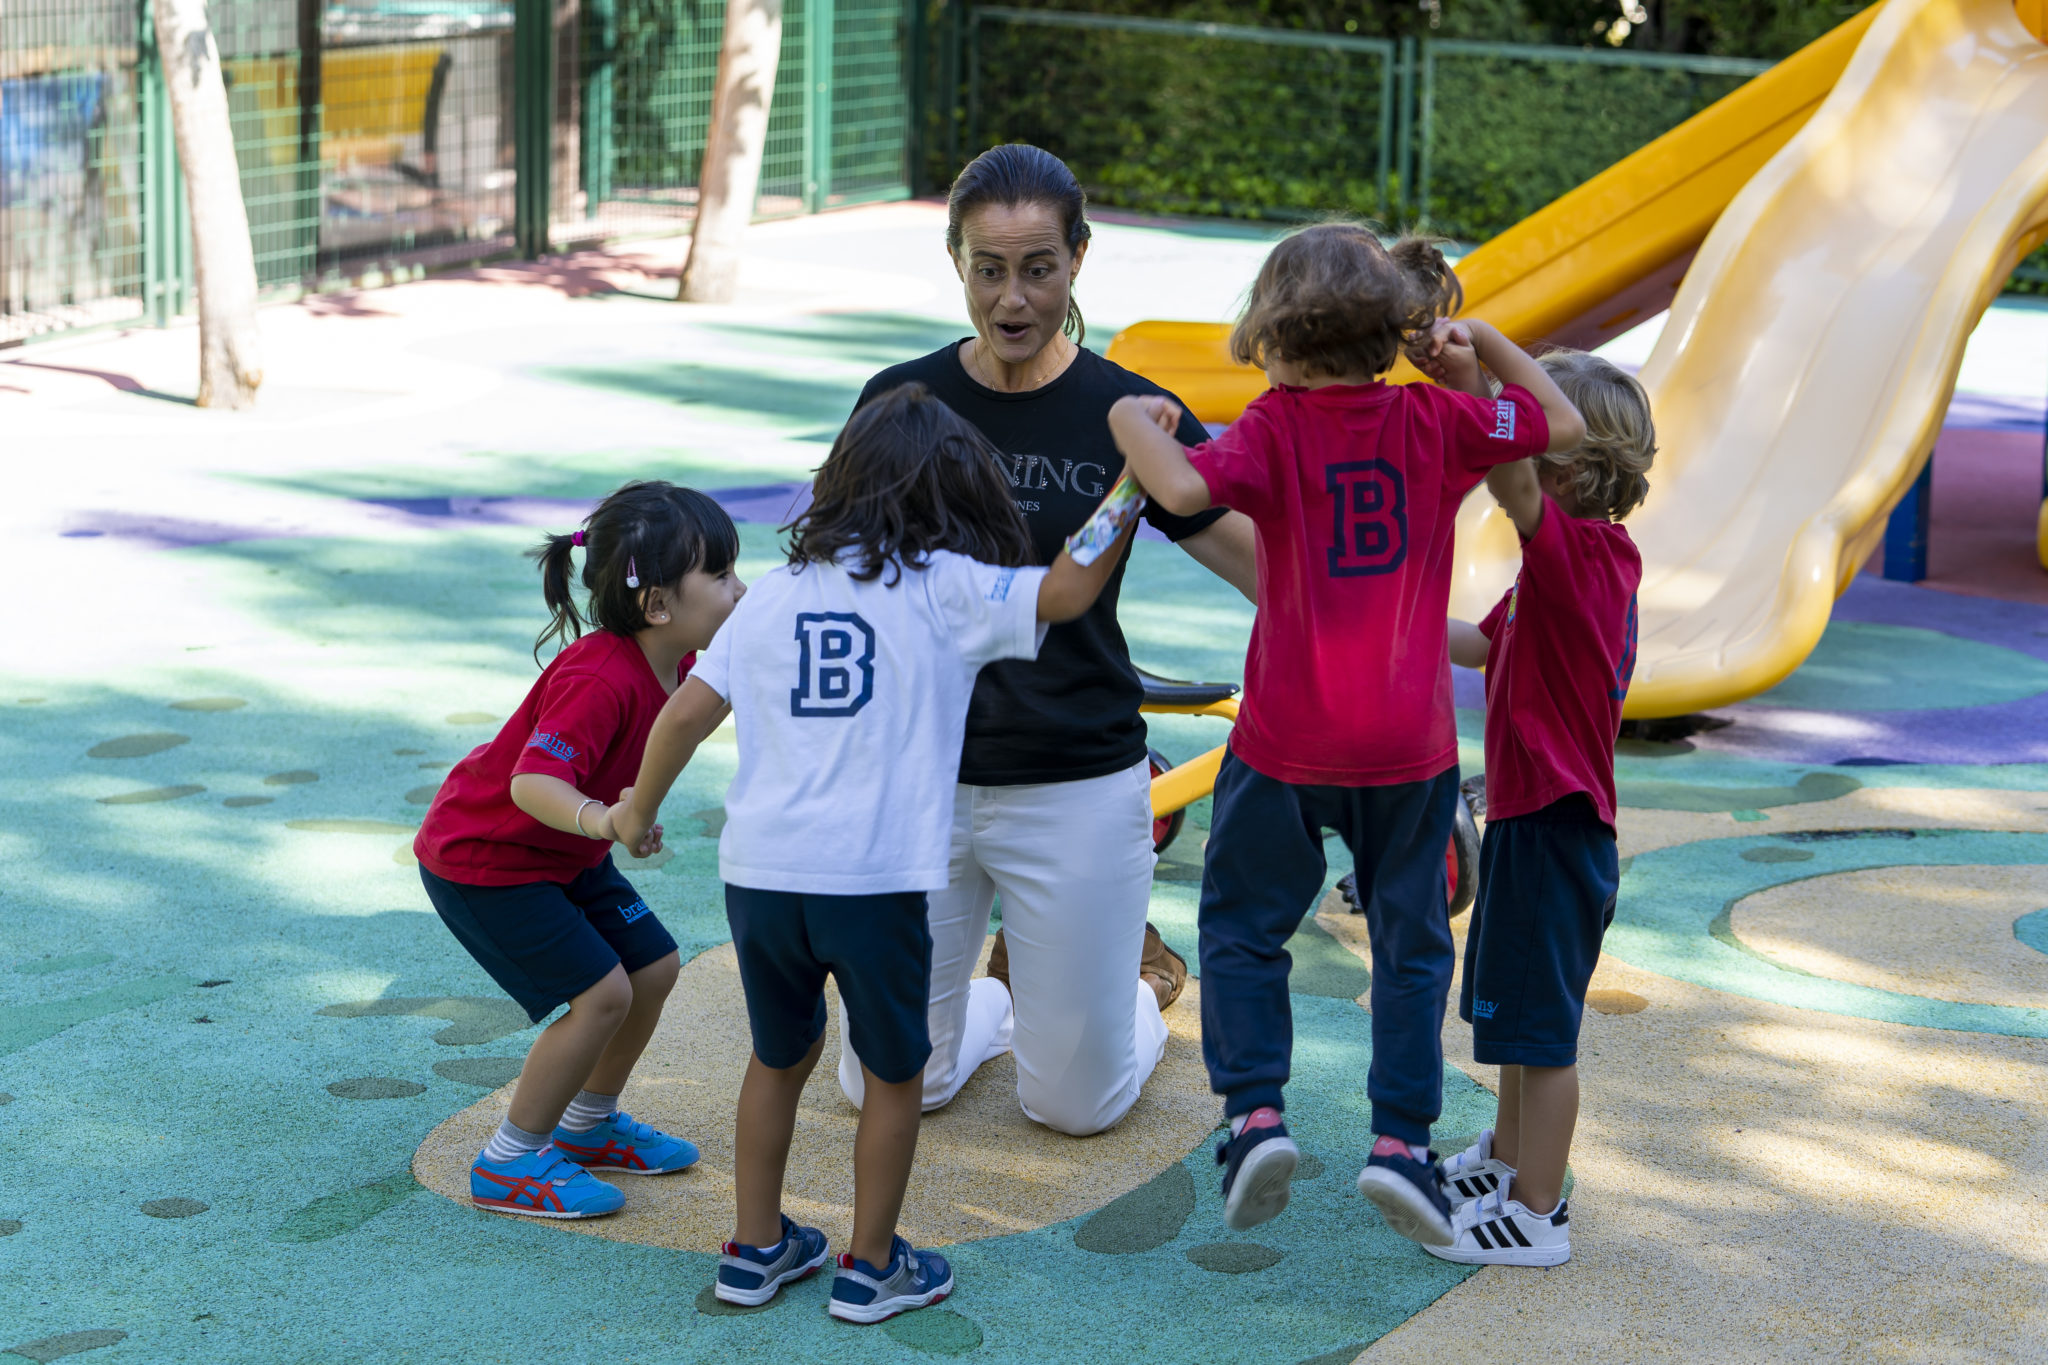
x=230, y=365
x=731, y=173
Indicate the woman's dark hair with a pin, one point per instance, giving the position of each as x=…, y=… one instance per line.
x=653, y=532
x=1333, y=300
x=908, y=476
x=1011, y=176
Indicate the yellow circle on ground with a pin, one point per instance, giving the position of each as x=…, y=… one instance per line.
x=983, y=1169
x=1942, y=932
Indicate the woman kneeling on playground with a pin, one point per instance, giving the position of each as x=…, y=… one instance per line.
x=1053, y=808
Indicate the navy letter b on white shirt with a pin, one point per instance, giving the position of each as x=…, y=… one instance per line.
x=835, y=664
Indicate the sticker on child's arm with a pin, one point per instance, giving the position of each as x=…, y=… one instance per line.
x=1097, y=534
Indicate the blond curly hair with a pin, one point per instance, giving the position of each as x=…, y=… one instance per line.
x=1609, y=467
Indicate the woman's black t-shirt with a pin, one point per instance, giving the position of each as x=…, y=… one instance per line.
x=1072, y=713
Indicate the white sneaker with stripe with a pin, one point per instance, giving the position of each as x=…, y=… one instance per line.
x=1496, y=1230
x=1475, y=1171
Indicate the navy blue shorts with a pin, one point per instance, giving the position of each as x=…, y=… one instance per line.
x=545, y=943
x=1547, y=883
x=879, y=950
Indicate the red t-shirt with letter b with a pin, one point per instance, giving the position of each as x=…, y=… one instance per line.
x=1354, y=489
x=585, y=721
x=1561, y=649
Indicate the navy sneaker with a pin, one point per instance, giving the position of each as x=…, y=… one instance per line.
x=913, y=1279
x=753, y=1275
x=1408, y=1193
x=1258, y=1170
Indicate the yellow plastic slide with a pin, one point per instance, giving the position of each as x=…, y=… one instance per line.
x=1813, y=346
x=1583, y=269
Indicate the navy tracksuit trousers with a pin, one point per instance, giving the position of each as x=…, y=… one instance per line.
x=1264, y=867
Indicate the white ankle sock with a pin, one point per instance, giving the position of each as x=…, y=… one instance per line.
x=511, y=1142
x=588, y=1110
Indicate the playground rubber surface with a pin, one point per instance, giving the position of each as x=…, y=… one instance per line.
x=242, y=1066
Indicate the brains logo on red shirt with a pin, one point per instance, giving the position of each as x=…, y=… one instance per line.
x=1503, y=420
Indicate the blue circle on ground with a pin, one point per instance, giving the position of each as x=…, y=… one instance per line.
x=1673, y=919
x=2032, y=930
x=1865, y=666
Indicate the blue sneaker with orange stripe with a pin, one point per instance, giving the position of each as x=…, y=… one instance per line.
x=540, y=1184
x=623, y=1144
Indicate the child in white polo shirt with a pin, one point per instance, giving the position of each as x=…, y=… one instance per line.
x=849, y=672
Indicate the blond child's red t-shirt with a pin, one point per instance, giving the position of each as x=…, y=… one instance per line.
x=585, y=720
x=1354, y=490
x=1561, y=649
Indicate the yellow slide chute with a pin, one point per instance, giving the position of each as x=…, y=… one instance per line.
x=1840, y=223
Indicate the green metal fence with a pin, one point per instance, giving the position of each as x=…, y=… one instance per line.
x=1464, y=138
x=380, y=137
x=837, y=126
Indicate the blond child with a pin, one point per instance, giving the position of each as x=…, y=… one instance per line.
x=1558, y=650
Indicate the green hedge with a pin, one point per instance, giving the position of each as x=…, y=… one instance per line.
x=1187, y=125
x=1508, y=136
x=1179, y=125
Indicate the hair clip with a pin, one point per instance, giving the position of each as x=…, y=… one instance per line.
x=576, y=539
x=632, y=573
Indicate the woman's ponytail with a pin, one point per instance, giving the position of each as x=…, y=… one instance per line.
x=558, y=591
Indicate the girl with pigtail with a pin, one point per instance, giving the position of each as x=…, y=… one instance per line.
x=515, y=851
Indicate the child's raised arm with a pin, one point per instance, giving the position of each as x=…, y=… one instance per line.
x=1446, y=355
x=1514, y=486
x=1513, y=366
x=1143, y=427
x=1069, y=589
x=689, y=716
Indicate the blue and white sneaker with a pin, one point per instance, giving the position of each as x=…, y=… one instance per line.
x=1258, y=1170
x=540, y=1184
x=1474, y=1172
x=1407, y=1193
x=914, y=1279
x=753, y=1275
x=1496, y=1230
x=624, y=1144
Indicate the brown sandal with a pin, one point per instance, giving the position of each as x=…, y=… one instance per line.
x=999, y=961
x=1164, y=963
x=1158, y=961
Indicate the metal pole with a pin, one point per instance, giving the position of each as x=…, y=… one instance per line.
x=818, y=46
x=1405, y=138
x=1905, y=535
x=1426, y=133
x=1386, y=167
x=598, y=96
x=917, y=63
x=156, y=126
x=533, y=54
x=955, y=35
x=310, y=212
x=974, y=79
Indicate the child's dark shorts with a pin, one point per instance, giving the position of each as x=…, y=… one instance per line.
x=1547, y=883
x=545, y=943
x=878, y=948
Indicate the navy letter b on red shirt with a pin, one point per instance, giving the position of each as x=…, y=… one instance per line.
x=1371, y=507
